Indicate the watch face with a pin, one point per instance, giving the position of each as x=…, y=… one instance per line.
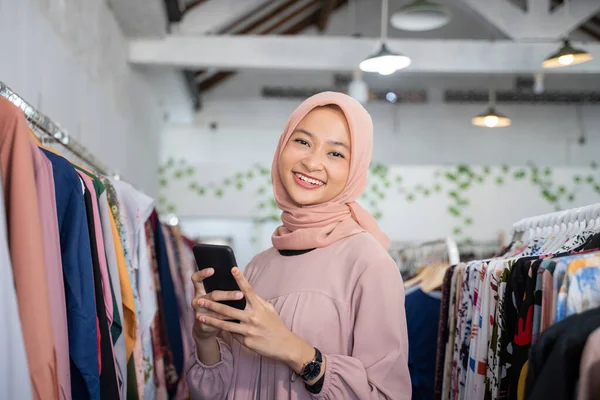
x=311, y=371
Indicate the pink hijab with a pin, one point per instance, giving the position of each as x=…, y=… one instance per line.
x=320, y=225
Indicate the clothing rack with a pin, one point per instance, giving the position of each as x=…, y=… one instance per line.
x=44, y=124
x=581, y=216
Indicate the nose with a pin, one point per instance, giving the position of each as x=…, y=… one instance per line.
x=313, y=162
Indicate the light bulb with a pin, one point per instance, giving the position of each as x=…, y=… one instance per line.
x=173, y=220
x=388, y=70
x=566, y=59
x=391, y=97
x=491, y=121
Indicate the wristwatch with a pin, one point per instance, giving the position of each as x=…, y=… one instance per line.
x=313, y=369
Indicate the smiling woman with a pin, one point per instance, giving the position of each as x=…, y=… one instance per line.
x=326, y=303
x=315, y=162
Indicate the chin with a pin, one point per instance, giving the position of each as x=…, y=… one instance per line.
x=304, y=200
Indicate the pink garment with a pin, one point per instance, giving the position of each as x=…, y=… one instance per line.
x=107, y=293
x=320, y=225
x=44, y=182
x=346, y=299
x=100, y=245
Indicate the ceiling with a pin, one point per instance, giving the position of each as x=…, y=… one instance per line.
x=472, y=20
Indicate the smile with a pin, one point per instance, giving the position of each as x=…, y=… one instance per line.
x=306, y=181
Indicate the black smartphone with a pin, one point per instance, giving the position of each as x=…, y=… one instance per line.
x=222, y=260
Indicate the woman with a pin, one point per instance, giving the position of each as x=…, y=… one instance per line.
x=325, y=306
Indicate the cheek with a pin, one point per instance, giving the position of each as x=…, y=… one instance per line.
x=289, y=158
x=339, y=173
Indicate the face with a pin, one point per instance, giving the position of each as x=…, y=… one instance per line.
x=315, y=162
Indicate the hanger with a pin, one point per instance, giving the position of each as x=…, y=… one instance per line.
x=430, y=277
x=435, y=279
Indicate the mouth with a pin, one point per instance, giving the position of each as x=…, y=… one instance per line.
x=307, y=181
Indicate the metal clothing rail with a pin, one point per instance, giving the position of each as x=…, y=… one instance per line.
x=45, y=125
x=449, y=243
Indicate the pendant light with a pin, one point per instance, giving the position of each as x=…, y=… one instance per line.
x=421, y=15
x=567, y=55
x=358, y=88
x=491, y=118
x=384, y=61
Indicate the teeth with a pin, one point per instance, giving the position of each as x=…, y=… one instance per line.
x=309, y=180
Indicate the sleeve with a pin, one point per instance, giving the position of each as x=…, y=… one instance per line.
x=213, y=382
x=210, y=382
x=378, y=366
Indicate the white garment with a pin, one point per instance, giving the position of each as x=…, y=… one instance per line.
x=14, y=371
x=138, y=208
x=113, y=272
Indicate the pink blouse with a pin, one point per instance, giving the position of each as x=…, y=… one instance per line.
x=346, y=299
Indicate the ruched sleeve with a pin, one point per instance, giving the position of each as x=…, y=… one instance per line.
x=210, y=382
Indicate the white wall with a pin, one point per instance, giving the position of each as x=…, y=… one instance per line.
x=435, y=133
x=69, y=59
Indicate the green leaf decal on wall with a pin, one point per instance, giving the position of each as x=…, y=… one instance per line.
x=457, y=180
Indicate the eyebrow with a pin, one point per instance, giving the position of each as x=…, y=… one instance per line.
x=333, y=142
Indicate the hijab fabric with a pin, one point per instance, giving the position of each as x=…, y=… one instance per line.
x=319, y=225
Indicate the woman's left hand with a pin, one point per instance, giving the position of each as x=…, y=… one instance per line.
x=260, y=328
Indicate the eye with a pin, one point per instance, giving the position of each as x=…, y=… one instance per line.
x=302, y=142
x=336, y=154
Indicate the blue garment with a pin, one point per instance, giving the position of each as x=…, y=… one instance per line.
x=422, y=319
x=79, y=281
x=169, y=303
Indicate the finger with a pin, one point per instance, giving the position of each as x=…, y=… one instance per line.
x=223, y=325
x=219, y=295
x=198, y=277
x=244, y=285
x=208, y=313
x=232, y=313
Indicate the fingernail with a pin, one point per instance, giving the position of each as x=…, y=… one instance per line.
x=234, y=270
x=210, y=270
x=201, y=302
x=202, y=319
x=239, y=295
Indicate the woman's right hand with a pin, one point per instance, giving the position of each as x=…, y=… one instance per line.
x=203, y=331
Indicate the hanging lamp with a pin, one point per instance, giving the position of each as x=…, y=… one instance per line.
x=491, y=118
x=384, y=61
x=567, y=55
x=421, y=15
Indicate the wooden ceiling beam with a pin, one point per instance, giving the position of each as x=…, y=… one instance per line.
x=326, y=10
x=266, y=18
x=309, y=20
x=192, y=5
x=221, y=76
x=589, y=32
x=229, y=28
x=287, y=19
